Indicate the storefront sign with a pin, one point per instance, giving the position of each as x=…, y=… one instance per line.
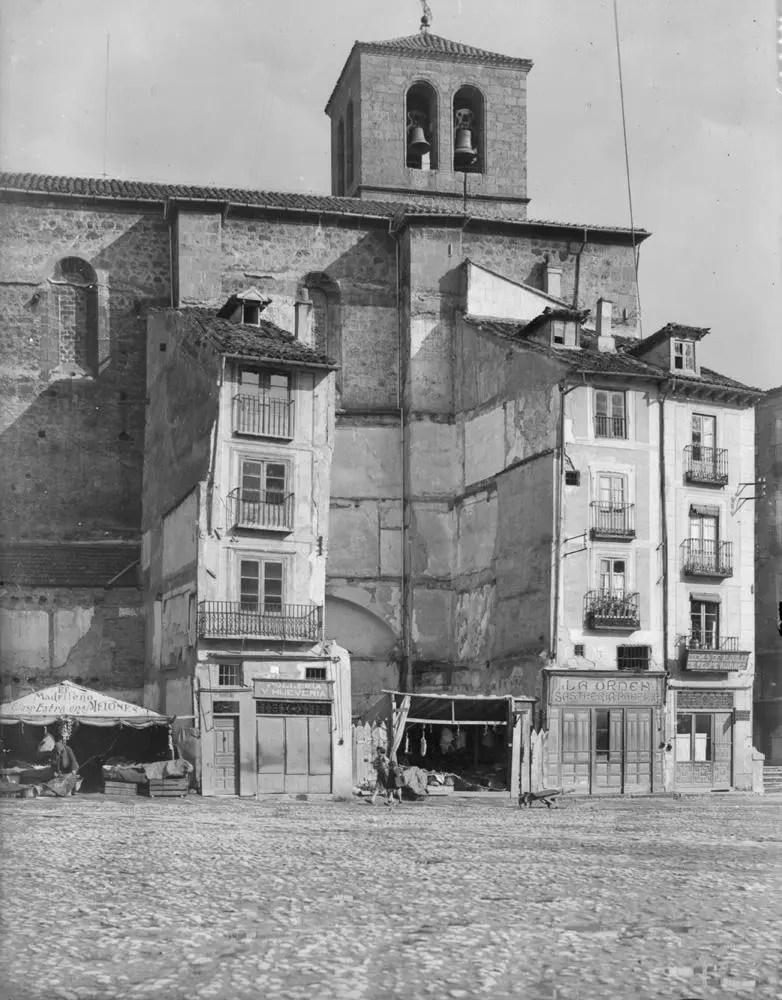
x=605, y=690
x=705, y=700
x=699, y=659
x=285, y=690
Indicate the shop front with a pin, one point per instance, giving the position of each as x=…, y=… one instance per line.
x=459, y=744
x=276, y=726
x=605, y=732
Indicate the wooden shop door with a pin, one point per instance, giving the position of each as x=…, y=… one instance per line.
x=638, y=750
x=294, y=753
x=226, y=755
x=607, y=740
x=576, y=747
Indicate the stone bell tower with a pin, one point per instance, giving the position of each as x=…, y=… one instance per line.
x=432, y=121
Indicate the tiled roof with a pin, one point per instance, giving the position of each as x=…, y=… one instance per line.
x=265, y=342
x=63, y=565
x=146, y=191
x=590, y=361
x=430, y=44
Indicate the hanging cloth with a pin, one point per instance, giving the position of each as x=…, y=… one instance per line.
x=399, y=721
x=423, y=745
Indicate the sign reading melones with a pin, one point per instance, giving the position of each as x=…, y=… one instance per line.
x=605, y=690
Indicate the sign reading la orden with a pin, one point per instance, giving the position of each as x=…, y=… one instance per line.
x=605, y=690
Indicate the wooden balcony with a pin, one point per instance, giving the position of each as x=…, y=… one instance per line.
x=613, y=611
x=283, y=622
x=706, y=466
x=259, y=510
x=263, y=416
x=705, y=558
x=612, y=521
x=710, y=653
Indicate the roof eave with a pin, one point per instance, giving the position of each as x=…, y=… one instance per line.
x=236, y=356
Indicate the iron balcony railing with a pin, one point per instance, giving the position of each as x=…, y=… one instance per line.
x=711, y=641
x=707, y=558
x=611, y=609
x=263, y=416
x=706, y=465
x=231, y=619
x=610, y=427
x=261, y=509
x=612, y=520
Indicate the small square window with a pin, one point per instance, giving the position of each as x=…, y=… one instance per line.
x=229, y=675
x=251, y=313
x=632, y=657
x=572, y=477
x=315, y=673
x=684, y=355
x=578, y=649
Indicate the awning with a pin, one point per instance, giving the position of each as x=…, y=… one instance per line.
x=704, y=510
x=72, y=701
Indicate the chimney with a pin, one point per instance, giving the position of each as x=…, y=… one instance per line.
x=303, y=318
x=605, y=337
x=554, y=281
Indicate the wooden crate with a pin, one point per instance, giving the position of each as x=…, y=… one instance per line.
x=166, y=787
x=121, y=789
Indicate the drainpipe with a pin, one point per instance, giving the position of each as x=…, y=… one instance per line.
x=556, y=554
x=663, y=522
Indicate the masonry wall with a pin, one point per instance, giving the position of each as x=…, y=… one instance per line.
x=72, y=437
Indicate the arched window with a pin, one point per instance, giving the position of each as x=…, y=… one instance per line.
x=75, y=308
x=469, y=132
x=421, y=127
x=341, y=157
x=349, y=143
x=326, y=316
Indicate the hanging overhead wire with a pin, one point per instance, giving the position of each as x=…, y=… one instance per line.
x=627, y=164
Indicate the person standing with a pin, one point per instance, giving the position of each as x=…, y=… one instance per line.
x=65, y=766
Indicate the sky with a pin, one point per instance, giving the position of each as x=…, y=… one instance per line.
x=232, y=92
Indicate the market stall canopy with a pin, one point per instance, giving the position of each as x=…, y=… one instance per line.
x=72, y=701
x=442, y=708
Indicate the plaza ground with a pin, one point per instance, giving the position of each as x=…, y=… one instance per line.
x=192, y=898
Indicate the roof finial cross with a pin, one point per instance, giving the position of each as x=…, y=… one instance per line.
x=426, y=20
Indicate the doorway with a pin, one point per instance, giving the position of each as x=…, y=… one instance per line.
x=607, y=751
x=226, y=755
x=294, y=752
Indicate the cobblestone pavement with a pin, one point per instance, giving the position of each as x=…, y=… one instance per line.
x=201, y=898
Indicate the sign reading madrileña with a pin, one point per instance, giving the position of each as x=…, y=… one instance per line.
x=605, y=690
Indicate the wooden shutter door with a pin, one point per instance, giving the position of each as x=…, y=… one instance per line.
x=722, y=750
x=320, y=753
x=575, y=749
x=638, y=752
x=271, y=753
x=226, y=753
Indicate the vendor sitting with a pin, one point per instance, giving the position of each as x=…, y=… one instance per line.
x=63, y=761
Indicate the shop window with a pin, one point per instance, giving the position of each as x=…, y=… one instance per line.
x=421, y=127
x=579, y=649
x=610, y=414
x=315, y=673
x=632, y=657
x=261, y=585
x=602, y=731
x=225, y=708
x=469, y=154
x=229, y=675
x=684, y=355
x=694, y=737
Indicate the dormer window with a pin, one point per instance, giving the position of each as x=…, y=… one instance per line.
x=251, y=313
x=564, y=334
x=558, y=334
x=684, y=356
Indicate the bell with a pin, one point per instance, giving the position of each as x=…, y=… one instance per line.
x=418, y=143
x=463, y=152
